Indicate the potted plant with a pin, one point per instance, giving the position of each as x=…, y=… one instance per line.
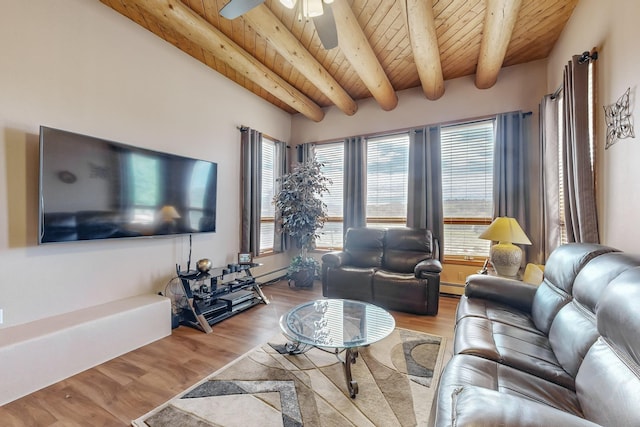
x=303, y=213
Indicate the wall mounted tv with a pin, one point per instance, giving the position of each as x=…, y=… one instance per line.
x=92, y=189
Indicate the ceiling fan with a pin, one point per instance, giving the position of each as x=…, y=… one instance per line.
x=318, y=10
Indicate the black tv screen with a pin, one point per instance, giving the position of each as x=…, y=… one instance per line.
x=91, y=188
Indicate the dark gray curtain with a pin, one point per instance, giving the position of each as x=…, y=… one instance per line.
x=304, y=152
x=280, y=169
x=580, y=201
x=251, y=166
x=550, y=174
x=424, y=204
x=355, y=183
x=511, y=176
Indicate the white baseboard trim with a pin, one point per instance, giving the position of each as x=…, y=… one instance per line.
x=451, y=288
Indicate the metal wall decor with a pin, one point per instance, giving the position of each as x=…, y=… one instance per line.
x=618, y=119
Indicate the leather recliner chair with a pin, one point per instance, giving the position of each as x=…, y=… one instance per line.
x=396, y=268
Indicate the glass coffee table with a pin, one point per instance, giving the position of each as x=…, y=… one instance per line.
x=338, y=325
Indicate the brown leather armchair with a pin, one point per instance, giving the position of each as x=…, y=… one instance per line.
x=396, y=268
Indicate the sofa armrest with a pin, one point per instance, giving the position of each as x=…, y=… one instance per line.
x=427, y=267
x=501, y=289
x=336, y=258
x=476, y=406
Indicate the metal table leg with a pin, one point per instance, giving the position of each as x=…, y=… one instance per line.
x=350, y=358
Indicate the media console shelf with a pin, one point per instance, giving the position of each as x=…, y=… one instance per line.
x=211, y=303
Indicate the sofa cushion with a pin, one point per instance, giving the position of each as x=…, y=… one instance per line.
x=364, y=246
x=349, y=283
x=464, y=371
x=402, y=292
x=406, y=247
x=494, y=312
x=522, y=349
x=592, y=281
x=560, y=272
x=574, y=330
x=470, y=401
x=608, y=381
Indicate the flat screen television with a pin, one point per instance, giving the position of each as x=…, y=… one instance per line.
x=91, y=188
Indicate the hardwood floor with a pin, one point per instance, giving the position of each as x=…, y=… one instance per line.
x=123, y=389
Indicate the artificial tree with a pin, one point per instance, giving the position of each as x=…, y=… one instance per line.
x=303, y=214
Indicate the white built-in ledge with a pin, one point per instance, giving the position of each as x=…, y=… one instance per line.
x=40, y=353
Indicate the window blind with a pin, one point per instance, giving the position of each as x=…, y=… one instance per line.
x=267, y=209
x=332, y=156
x=387, y=177
x=467, y=186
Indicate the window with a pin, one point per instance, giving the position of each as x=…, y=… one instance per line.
x=467, y=188
x=467, y=181
x=332, y=156
x=387, y=180
x=267, y=191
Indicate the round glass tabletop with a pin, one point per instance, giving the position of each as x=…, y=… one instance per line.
x=337, y=323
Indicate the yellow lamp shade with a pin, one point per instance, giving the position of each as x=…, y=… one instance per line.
x=505, y=229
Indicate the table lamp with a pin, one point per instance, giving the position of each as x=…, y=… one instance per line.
x=505, y=256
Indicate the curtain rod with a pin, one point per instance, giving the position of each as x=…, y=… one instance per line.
x=407, y=129
x=585, y=57
x=555, y=94
x=243, y=128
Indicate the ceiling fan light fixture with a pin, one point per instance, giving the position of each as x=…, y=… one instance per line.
x=328, y=1
x=311, y=8
x=289, y=4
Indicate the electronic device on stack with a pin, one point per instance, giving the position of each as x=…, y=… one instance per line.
x=210, y=299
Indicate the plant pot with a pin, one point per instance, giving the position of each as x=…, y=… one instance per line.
x=303, y=278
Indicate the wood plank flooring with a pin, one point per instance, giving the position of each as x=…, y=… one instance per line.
x=123, y=389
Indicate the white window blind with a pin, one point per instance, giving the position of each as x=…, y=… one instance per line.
x=563, y=226
x=467, y=187
x=332, y=156
x=387, y=180
x=267, y=209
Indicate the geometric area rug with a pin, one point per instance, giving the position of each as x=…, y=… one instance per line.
x=396, y=377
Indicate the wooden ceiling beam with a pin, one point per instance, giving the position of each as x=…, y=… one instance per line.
x=356, y=48
x=175, y=15
x=282, y=40
x=421, y=27
x=499, y=21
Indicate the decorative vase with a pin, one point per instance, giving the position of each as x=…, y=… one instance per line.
x=303, y=278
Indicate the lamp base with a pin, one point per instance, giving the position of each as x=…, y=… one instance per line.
x=506, y=258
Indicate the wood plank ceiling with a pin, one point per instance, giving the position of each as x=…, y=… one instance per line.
x=384, y=45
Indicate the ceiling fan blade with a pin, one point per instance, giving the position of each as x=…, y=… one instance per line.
x=235, y=8
x=326, y=28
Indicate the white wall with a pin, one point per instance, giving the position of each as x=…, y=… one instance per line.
x=519, y=87
x=80, y=66
x=612, y=27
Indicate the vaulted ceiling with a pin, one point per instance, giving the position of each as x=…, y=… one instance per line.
x=383, y=45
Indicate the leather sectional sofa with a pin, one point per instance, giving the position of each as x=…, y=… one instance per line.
x=566, y=353
x=396, y=268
